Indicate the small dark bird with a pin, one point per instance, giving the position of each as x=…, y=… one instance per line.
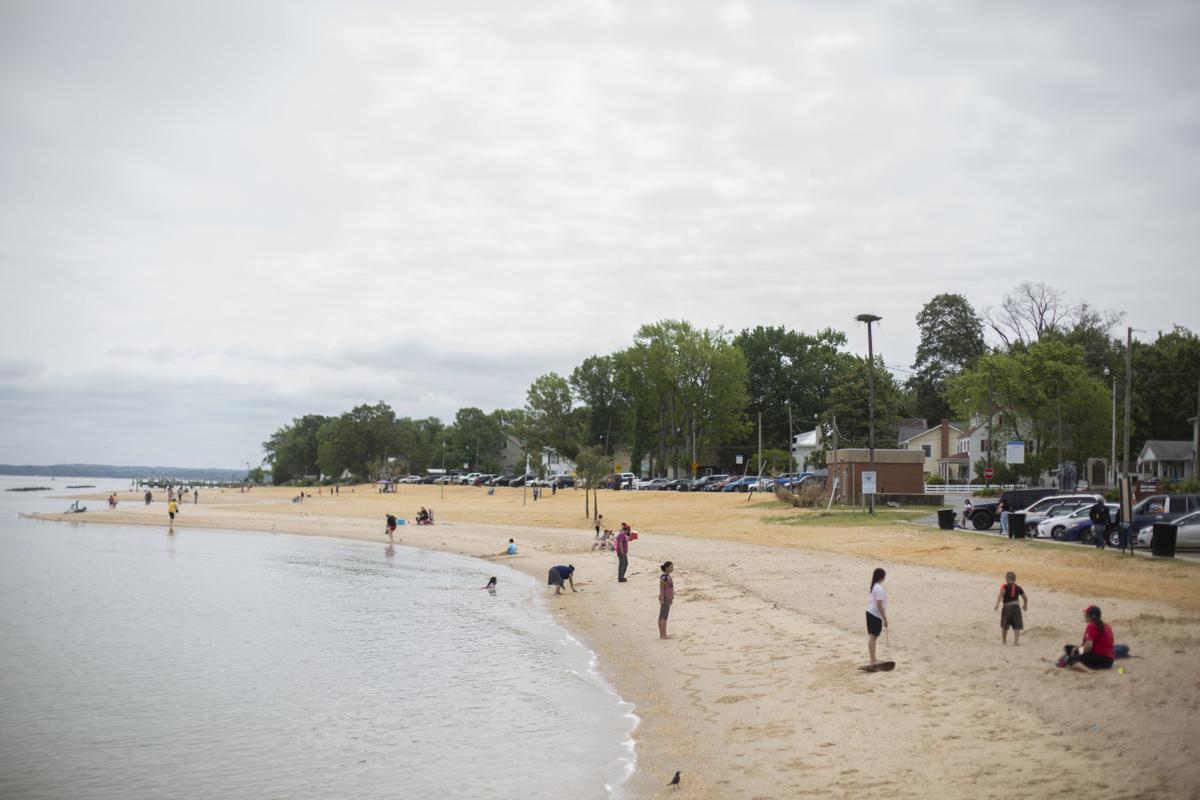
x=675, y=780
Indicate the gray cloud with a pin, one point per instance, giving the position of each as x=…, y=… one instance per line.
x=236, y=213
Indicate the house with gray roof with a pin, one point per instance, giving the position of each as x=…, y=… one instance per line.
x=1167, y=460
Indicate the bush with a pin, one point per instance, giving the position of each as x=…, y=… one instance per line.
x=934, y=481
x=1183, y=487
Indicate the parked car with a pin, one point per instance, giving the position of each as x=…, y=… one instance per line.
x=678, y=485
x=1188, y=532
x=1079, y=530
x=468, y=479
x=702, y=484
x=652, y=485
x=563, y=481
x=985, y=515
x=1060, y=524
x=1058, y=505
x=432, y=478
x=743, y=484
x=1158, y=508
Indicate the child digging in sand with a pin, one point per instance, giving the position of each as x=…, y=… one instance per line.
x=1012, y=596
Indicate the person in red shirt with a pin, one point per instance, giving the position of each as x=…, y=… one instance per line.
x=1096, y=650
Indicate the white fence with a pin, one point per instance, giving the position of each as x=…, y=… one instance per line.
x=958, y=488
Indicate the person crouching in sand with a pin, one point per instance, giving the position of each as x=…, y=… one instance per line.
x=666, y=595
x=1011, y=594
x=1096, y=650
x=876, y=611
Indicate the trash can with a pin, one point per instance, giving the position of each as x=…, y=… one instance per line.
x=946, y=519
x=1163, y=543
x=1016, y=525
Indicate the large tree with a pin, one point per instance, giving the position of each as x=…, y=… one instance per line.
x=1043, y=395
x=361, y=436
x=1166, y=379
x=793, y=370
x=292, y=450
x=475, y=439
x=951, y=341
x=689, y=391
x=847, y=410
x=551, y=419
x=598, y=387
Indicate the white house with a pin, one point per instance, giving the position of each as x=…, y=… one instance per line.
x=554, y=465
x=1167, y=460
x=804, y=445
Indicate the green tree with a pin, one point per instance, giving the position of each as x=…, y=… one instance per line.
x=551, y=419
x=292, y=450
x=592, y=465
x=849, y=404
x=688, y=388
x=597, y=385
x=1044, y=395
x=349, y=442
x=1166, y=378
x=788, y=368
x=951, y=341
x=475, y=439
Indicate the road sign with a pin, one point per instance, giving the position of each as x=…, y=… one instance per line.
x=695, y=467
x=1014, y=453
x=740, y=458
x=868, y=483
x=987, y=473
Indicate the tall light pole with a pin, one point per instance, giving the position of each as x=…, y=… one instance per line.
x=869, y=319
x=1112, y=460
x=442, y=480
x=1128, y=395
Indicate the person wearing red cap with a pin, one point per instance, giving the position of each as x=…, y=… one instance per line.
x=1096, y=650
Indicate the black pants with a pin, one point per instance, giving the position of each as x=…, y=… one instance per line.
x=1089, y=659
x=622, y=565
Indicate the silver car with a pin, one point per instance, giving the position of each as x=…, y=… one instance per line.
x=1188, y=535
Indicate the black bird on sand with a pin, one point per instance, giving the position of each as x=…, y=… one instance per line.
x=675, y=780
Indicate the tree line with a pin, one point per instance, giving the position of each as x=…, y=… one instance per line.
x=679, y=394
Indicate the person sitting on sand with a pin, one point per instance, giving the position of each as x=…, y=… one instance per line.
x=1096, y=650
x=603, y=541
x=559, y=574
x=876, y=611
x=422, y=516
x=512, y=548
x=1011, y=594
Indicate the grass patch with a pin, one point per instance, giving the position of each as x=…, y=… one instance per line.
x=848, y=518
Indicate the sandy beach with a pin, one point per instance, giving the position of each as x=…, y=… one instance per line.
x=758, y=694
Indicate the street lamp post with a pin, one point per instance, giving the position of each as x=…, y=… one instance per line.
x=869, y=319
x=791, y=440
x=442, y=480
x=1112, y=460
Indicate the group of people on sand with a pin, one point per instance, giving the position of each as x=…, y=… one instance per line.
x=1096, y=651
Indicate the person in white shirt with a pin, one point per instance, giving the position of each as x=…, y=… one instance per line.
x=876, y=611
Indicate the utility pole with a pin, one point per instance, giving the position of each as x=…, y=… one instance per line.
x=760, y=464
x=869, y=319
x=1196, y=437
x=1128, y=396
x=1113, y=455
x=987, y=480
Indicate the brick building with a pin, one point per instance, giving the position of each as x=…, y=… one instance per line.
x=896, y=472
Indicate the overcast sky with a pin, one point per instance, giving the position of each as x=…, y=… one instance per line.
x=216, y=216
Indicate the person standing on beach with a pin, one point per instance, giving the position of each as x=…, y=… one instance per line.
x=597, y=522
x=149, y=497
x=1010, y=617
x=391, y=526
x=876, y=611
x=195, y=496
x=172, y=507
x=1002, y=507
x=666, y=596
x=622, y=549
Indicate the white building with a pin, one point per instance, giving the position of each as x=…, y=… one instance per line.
x=804, y=445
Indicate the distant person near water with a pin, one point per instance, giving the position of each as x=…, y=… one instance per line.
x=666, y=596
x=491, y=584
x=1010, y=595
x=172, y=507
x=390, y=527
x=195, y=496
x=1096, y=650
x=512, y=548
x=559, y=574
x=876, y=611
x=149, y=497
x=622, y=549
x=597, y=522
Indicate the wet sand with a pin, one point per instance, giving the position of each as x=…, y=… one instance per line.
x=758, y=694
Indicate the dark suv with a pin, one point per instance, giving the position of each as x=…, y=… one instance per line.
x=1157, y=508
x=985, y=514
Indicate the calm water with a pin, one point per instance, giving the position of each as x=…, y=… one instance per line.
x=134, y=664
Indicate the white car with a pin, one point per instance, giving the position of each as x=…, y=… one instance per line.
x=469, y=478
x=1188, y=532
x=1059, y=522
